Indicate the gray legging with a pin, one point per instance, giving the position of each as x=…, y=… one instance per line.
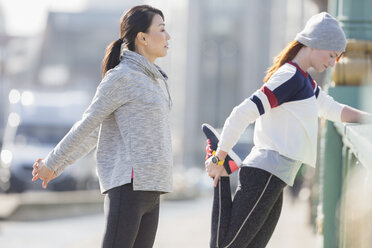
x=249, y=220
x=131, y=217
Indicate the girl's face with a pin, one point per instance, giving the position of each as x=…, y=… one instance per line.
x=156, y=39
x=322, y=59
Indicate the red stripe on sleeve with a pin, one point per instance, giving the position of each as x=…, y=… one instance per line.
x=270, y=96
x=313, y=84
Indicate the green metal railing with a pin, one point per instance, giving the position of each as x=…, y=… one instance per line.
x=355, y=209
x=347, y=150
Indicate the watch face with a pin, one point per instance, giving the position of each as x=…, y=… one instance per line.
x=214, y=160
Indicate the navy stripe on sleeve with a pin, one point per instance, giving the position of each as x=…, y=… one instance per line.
x=258, y=103
x=317, y=91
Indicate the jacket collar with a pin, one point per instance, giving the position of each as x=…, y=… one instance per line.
x=143, y=64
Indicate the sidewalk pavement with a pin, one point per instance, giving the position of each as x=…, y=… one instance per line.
x=186, y=224
x=182, y=224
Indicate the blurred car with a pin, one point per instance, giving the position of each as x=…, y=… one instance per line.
x=36, y=123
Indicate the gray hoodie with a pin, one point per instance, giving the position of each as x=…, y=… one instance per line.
x=129, y=122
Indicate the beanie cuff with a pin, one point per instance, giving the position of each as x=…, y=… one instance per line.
x=321, y=44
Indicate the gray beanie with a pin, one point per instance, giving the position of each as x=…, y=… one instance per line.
x=322, y=31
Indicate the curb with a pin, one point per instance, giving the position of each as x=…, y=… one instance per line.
x=38, y=205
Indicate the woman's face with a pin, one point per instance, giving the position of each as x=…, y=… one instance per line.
x=156, y=44
x=322, y=59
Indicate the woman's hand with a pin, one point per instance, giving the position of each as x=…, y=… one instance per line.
x=353, y=115
x=214, y=171
x=41, y=172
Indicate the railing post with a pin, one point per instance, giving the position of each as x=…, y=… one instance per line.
x=331, y=182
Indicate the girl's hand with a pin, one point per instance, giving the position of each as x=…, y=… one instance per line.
x=41, y=172
x=353, y=115
x=214, y=171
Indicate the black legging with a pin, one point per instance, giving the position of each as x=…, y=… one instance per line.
x=131, y=218
x=250, y=219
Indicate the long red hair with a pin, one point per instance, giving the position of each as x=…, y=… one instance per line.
x=287, y=54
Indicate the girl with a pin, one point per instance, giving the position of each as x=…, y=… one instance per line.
x=286, y=111
x=128, y=122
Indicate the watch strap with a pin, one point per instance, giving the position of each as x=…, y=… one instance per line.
x=219, y=162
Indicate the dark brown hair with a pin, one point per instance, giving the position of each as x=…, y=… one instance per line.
x=135, y=20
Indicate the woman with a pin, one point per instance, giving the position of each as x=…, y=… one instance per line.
x=128, y=121
x=286, y=111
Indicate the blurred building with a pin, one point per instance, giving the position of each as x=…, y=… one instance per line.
x=70, y=49
x=73, y=47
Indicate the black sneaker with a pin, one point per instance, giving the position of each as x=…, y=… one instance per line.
x=232, y=160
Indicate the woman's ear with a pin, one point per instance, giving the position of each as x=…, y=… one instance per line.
x=141, y=38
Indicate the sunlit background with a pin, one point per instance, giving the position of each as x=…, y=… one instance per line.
x=50, y=65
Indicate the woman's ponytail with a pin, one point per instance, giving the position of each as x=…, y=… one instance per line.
x=112, y=56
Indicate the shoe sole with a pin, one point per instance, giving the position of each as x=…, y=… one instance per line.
x=231, y=153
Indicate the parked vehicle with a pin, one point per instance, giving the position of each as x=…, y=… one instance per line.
x=36, y=123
